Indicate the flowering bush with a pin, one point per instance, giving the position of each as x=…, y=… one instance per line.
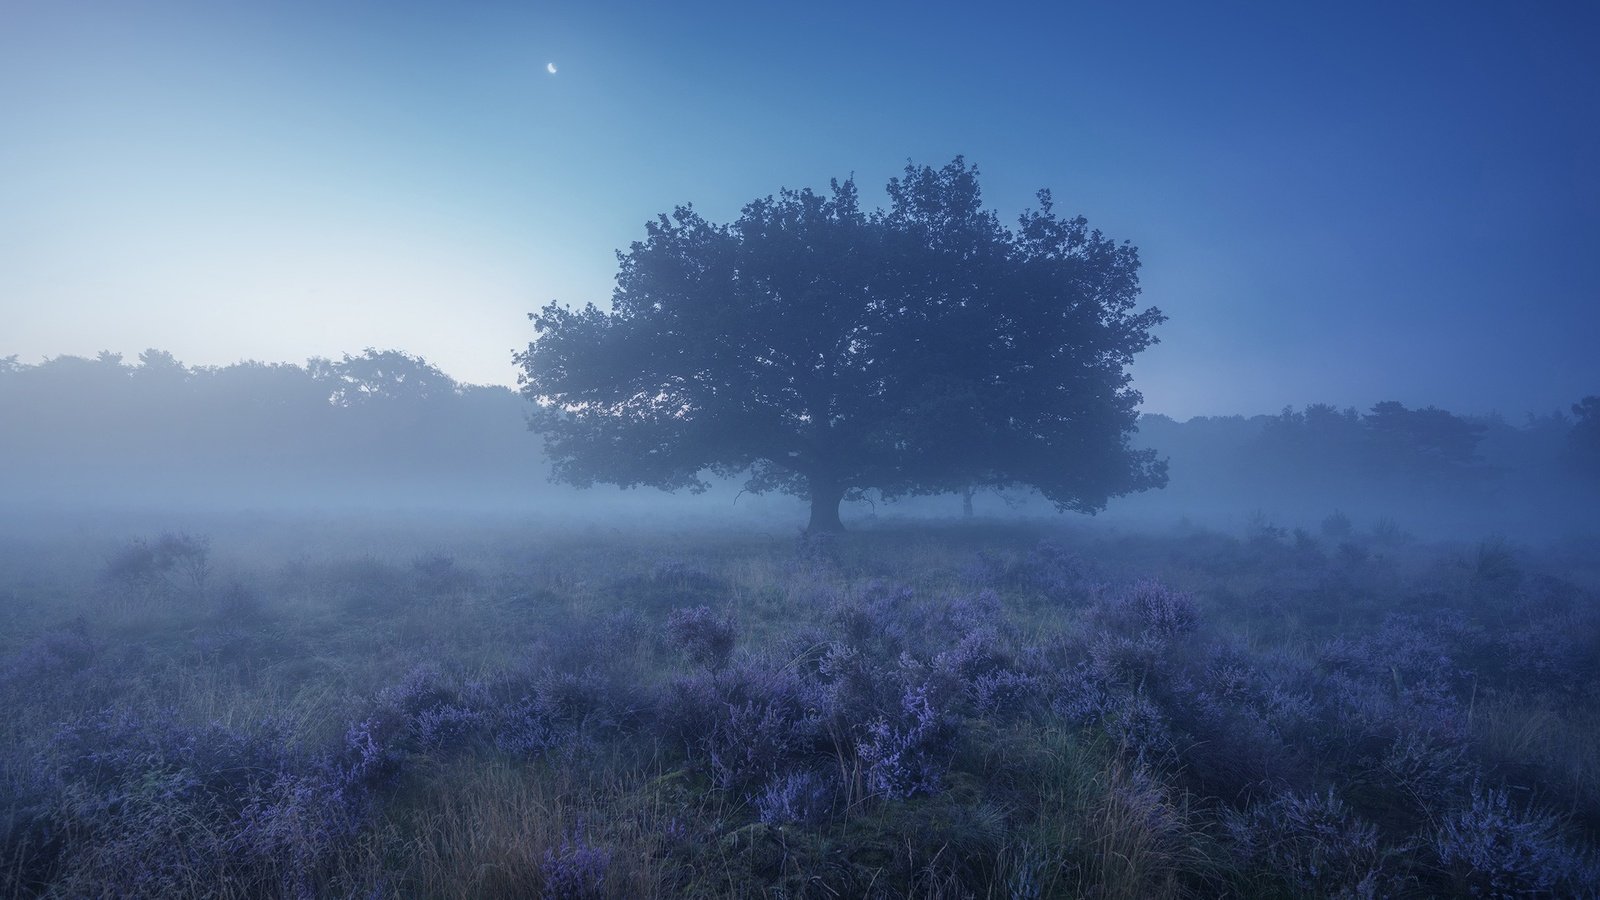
x=705, y=637
x=575, y=871
x=906, y=755
x=1492, y=848
x=796, y=798
x=1149, y=609
x=1312, y=841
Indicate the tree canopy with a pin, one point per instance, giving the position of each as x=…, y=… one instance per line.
x=1584, y=439
x=380, y=429
x=824, y=349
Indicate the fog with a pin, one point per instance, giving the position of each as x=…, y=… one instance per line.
x=386, y=434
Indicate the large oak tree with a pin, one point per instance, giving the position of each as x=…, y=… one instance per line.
x=822, y=349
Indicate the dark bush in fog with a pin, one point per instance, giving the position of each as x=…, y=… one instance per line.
x=704, y=637
x=1313, y=842
x=170, y=561
x=1492, y=847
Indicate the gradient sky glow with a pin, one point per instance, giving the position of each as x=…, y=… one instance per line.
x=1337, y=203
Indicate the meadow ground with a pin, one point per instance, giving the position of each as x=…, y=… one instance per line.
x=337, y=708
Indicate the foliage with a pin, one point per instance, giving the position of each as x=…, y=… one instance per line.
x=1493, y=848
x=1583, y=441
x=102, y=433
x=706, y=638
x=1388, y=440
x=825, y=349
x=381, y=376
x=575, y=871
x=977, y=725
x=162, y=564
x=1313, y=842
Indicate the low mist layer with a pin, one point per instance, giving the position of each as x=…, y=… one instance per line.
x=388, y=431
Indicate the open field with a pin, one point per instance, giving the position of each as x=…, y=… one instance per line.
x=498, y=709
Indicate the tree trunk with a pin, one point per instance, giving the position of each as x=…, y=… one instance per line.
x=825, y=500
x=966, y=503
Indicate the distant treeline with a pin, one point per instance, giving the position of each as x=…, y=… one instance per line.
x=1428, y=468
x=382, y=429
x=386, y=429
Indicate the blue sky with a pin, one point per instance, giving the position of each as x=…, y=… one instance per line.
x=1337, y=203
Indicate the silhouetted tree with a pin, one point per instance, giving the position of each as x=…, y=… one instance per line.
x=1428, y=441
x=382, y=375
x=1584, y=440
x=824, y=349
x=1320, y=439
x=383, y=426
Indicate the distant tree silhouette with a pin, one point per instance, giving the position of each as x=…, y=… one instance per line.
x=1584, y=440
x=825, y=349
x=382, y=375
x=160, y=363
x=1320, y=438
x=1426, y=441
x=1391, y=440
x=383, y=426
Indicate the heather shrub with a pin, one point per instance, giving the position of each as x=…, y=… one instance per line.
x=159, y=807
x=1141, y=729
x=796, y=798
x=1420, y=771
x=584, y=703
x=978, y=656
x=523, y=714
x=523, y=728
x=906, y=754
x=1232, y=746
x=1054, y=571
x=1312, y=842
x=56, y=653
x=745, y=724
x=1148, y=609
x=1129, y=661
x=1494, y=848
x=880, y=619
x=306, y=819
x=576, y=870
x=1404, y=675
x=1555, y=654
x=750, y=742
x=1001, y=691
x=420, y=714
x=1078, y=694
x=852, y=686
x=1048, y=569
x=971, y=612
x=906, y=735
x=704, y=637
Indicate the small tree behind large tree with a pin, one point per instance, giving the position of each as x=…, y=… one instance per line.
x=824, y=349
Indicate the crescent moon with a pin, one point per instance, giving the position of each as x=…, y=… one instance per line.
x=550, y=67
